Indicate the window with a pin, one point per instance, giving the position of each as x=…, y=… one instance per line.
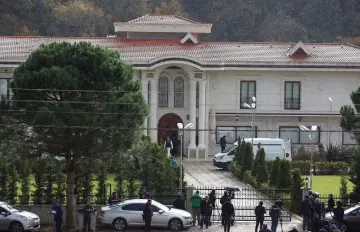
x=298, y=136
x=197, y=94
x=292, y=95
x=154, y=208
x=4, y=88
x=247, y=91
x=163, y=92
x=133, y=207
x=348, y=138
x=232, y=133
x=179, y=92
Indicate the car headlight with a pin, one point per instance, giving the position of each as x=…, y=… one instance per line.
x=25, y=218
x=187, y=218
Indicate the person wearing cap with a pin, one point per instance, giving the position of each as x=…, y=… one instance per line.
x=260, y=215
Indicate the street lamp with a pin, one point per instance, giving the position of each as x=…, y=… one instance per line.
x=311, y=137
x=181, y=128
x=252, y=110
x=329, y=130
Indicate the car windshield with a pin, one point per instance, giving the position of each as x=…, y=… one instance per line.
x=10, y=208
x=349, y=210
x=161, y=206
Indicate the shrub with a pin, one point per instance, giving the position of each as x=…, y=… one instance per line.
x=274, y=171
x=249, y=179
x=248, y=158
x=331, y=168
x=302, y=165
x=296, y=193
x=236, y=170
x=260, y=170
x=336, y=153
x=284, y=175
x=240, y=152
x=343, y=190
x=304, y=153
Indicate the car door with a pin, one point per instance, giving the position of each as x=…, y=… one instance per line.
x=133, y=212
x=353, y=219
x=4, y=220
x=159, y=219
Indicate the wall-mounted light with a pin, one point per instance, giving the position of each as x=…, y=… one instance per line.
x=300, y=118
x=188, y=117
x=237, y=118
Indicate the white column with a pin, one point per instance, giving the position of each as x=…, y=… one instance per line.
x=192, y=112
x=202, y=115
x=153, y=110
x=144, y=88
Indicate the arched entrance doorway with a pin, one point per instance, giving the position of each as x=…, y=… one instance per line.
x=167, y=127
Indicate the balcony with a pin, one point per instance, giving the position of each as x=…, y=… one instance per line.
x=292, y=104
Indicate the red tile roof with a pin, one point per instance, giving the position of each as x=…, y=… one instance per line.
x=163, y=19
x=145, y=50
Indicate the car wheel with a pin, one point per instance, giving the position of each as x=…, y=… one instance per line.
x=119, y=224
x=16, y=227
x=175, y=224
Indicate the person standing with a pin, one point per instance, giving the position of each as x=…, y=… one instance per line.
x=147, y=215
x=179, y=203
x=223, y=143
x=339, y=214
x=212, y=198
x=168, y=146
x=113, y=199
x=305, y=212
x=275, y=212
x=205, y=208
x=58, y=216
x=223, y=199
x=331, y=203
x=195, y=202
x=88, y=210
x=228, y=213
x=260, y=215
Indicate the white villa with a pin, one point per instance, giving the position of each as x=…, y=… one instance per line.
x=188, y=80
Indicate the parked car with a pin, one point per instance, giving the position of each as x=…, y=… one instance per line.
x=129, y=214
x=351, y=218
x=15, y=220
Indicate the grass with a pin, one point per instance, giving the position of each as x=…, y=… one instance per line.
x=326, y=185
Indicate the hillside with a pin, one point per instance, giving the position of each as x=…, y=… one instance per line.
x=234, y=20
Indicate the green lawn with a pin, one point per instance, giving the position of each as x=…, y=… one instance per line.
x=326, y=185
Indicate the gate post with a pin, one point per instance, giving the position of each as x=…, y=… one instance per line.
x=305, y=191
x=189, y=193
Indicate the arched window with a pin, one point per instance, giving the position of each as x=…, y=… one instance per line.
x=179, y=92
x=163, y=92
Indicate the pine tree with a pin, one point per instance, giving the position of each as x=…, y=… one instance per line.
x=274, y=173
x=256, y=161
x=248, y=158
x=284, y=176
x=355, y=174
x=343, y=190
x=240, y=153
x=262, y=174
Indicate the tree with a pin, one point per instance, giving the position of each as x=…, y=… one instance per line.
x=248, y=157
x=172, y=8
x=296, y=193
x=84, y=89
x=284, y=176
x=240, y=152
x=274, y=172
x=343, y=190
x=261, y=171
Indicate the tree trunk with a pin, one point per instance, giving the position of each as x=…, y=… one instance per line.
x=70, y=202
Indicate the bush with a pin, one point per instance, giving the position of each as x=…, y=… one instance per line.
x=248, y=157
x=249, y=179
x=331, y=168
x=284, y=175
x=336, y=153
x=296, y=193
x=236, y=170
x=304, y=153
x=302, y=165
x=240, y=152
x=274, y=173
x=343, y=190
x=260, y=171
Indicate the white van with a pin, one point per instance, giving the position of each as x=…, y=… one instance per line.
x=273, y=148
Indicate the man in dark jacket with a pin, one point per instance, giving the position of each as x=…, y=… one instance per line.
x=339, y=214
x=223, y=199
x=260, y=215
x=331, y=203
x=58, y=211
x=88, y=210
x=205, y=208
x=305, y=212
x=275, y=213
x=179, y=203
x=228, y=212
x=147, y=215
x=316, y=224
x=212, y=198
x=223, y=143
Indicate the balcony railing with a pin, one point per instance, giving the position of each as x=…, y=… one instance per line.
x=292, y=104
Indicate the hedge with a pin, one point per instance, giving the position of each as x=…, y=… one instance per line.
x=321, y=168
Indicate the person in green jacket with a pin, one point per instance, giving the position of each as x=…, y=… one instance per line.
x=195, y=201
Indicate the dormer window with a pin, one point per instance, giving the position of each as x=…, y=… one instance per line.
x=189, y=38
x=299, y=50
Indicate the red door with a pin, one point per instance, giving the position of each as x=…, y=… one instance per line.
x=167, y=126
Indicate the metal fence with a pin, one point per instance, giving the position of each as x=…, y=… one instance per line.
x=246, y=199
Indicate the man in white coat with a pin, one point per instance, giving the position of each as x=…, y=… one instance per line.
x=168, y=146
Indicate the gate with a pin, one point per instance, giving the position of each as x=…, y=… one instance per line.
x=246, y=199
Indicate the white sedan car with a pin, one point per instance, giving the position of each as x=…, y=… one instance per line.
x=129, y=214
x=15, y=220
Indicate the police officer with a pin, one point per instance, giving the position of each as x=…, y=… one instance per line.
x=88, y=210
x=223, y=199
